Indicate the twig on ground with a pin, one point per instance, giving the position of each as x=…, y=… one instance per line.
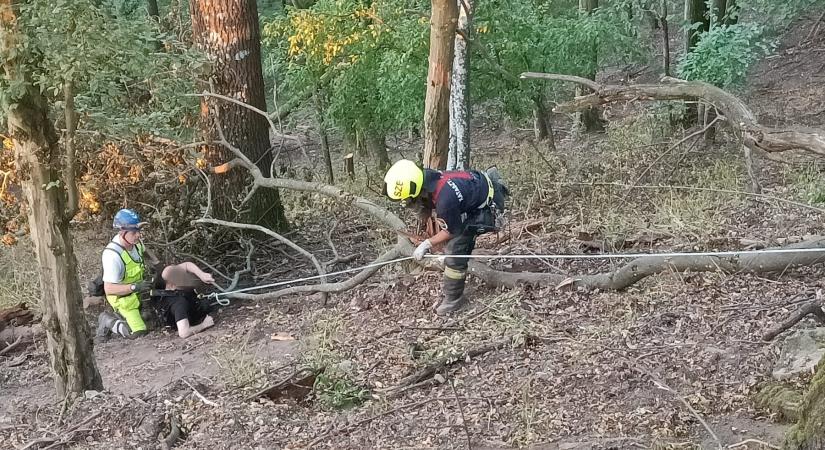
x=461, y=411
x=173, y=436
x=12, y=346
x=814, y=307
x=353, y=427
x=635, y=365
x=430, y=369
x=68, y=435
x=199, y=395
x=753, y=441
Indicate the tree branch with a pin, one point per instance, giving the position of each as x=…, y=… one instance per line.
x=813, y=307
x=741, y=118
x=646, y=266
x=267, y=231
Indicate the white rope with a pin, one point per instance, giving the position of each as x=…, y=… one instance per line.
x=635, y=255
x=217, y=296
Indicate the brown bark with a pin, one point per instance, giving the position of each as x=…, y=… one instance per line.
x=323, y=136
x=228, y=31
x=736, y=113
x=443, y=23
x=71, y=128
x=39, y=162
x=377, y=148
x=542, y=126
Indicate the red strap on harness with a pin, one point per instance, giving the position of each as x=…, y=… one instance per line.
x=446, y=176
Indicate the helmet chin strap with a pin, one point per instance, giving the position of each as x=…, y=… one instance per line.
x=123, y=237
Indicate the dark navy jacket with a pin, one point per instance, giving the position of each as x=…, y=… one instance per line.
x=455, y=195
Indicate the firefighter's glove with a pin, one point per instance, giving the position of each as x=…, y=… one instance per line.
x=142, y=286
x=422, y=249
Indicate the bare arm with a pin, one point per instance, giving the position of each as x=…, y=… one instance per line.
x=117, y=289
x=440, y=237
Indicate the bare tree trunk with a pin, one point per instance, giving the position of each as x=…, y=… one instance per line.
x=694, y=14
x=753, y=170
x=717, y=12
x=38, y=157
x=542, y=126
x=152, y=7
x=459, y=156
x=228, y=31
x=376, y=144
x=695, y=24
x=588, y=119
x=437, y=102
x=665, y=38
x=731, y=12
x=322, y=135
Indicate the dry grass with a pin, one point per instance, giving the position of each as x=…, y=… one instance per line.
x=19, y=277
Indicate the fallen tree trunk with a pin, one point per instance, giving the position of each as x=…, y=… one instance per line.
x=646, y=266
x=739, y=116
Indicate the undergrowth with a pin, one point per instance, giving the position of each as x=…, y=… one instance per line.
x=334, y=386
x=19, y=277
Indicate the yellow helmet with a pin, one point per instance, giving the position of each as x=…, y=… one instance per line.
x=404, y=180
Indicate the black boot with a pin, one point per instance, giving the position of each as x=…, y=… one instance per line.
x=105, y=322
x=454, y=298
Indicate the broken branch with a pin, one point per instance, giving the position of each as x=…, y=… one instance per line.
x=740, y=117
x=430, y=369
x=814, y=307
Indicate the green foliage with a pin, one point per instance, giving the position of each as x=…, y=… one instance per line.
x=128, y=76
x=370, y=60
x=333, y=387
x=543, y=37
x=725, y=53
x=338, y=391
x=809, y=184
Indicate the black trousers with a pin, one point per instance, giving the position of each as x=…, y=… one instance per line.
x=463, y=244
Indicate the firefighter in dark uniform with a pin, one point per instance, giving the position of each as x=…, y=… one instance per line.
x=469, y=202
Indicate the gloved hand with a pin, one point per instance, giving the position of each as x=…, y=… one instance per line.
x=142, y=286
x=422, y=249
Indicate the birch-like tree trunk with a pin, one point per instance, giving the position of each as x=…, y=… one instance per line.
x=40, y=164
x=443, y=22
x=459, y=156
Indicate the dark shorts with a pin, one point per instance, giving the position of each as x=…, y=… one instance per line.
x=180, y=305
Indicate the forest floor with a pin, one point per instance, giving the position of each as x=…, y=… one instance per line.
x=572, y=368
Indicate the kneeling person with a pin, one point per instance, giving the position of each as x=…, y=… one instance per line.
x=176, y=302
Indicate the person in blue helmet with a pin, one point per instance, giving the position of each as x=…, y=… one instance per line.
x=470, y=203
x=124, y=266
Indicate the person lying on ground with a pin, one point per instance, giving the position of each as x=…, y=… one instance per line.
x=175, y=299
